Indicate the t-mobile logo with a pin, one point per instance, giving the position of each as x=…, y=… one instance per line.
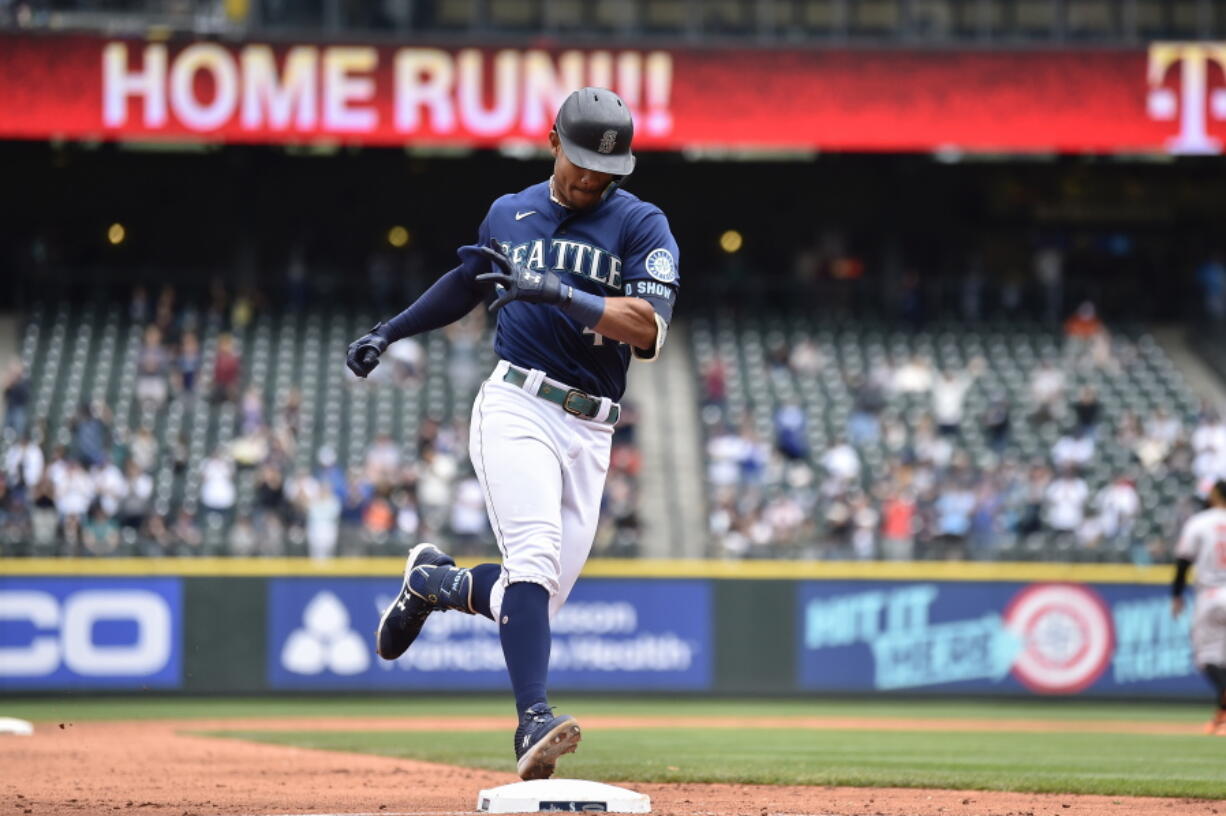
x=1202, y=65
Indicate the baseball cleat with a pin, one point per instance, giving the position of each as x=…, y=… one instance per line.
x=1217, y=726
x=402, y=620
x=541, y=738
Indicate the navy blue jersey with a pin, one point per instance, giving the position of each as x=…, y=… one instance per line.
x=622, y=246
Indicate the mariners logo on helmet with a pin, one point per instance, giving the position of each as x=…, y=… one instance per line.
x=607, y=142
x=660, y=265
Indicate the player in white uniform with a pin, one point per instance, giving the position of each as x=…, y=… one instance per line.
x=585, y=277
x=1202, y=544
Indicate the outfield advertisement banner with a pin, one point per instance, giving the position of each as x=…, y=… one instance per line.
x=1164, y=97
x=994, y=638
x=90, y=633
x=621, y=635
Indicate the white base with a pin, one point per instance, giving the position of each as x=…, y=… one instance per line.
x=569, y=795
x=12, y=725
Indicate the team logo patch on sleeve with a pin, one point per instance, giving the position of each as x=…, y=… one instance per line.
x=660, y=265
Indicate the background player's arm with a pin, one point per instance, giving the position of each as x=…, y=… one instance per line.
x=1185, y=552
x=628, y=320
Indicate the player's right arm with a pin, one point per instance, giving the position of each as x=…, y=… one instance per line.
x=451, y=297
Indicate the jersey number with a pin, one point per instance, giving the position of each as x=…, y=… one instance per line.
x=598, y=339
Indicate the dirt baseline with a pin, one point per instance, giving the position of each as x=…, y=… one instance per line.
x=155, y=768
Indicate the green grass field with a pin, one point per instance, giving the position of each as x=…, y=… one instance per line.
x=1111, y=764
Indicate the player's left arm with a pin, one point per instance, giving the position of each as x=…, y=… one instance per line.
x=651, y=279
x=630, y=320
x=1185, y=554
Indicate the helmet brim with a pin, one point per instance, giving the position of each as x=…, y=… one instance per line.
x=616, y=165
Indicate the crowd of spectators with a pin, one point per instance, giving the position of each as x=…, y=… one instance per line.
x=251, y=495
x=927, y=496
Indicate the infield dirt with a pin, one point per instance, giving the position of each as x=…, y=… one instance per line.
x=156, y=768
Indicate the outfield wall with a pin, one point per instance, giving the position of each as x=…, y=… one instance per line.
x=250, y=626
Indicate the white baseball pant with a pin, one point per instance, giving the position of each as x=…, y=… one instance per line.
x=543, y=473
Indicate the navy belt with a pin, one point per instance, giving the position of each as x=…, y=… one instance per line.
x=571, y=400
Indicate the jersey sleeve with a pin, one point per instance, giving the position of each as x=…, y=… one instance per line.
x=651, y=271
x=1187, y=545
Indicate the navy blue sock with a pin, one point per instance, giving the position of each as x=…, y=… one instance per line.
x=484, y=578
x=524, y=630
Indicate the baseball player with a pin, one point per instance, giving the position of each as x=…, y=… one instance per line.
x=1203, y=543
x=583, y=277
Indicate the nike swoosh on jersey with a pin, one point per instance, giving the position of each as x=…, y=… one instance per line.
x=520, y=216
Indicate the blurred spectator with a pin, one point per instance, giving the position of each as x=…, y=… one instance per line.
x=1118, y=506
x=790, y=436
x=1065, y=503
x=1074, y=450
x=806, y=359
x=152, y=368
x=867, y=399
x=898, y=526
x=996, y=424
x=1083, y=324
x=44, y=517
x=406, y=360
x=864, y=518
x=323, y=522
x=217, y=490
x=227, y=369
x=407, y=519
x=16, y=399
x=75, y=492
x=100, y=533
x=1031, y=501
x=109, y=485
x=91, y=434
x=913, y=376
x=23, y=465
x=842, y=465
x=1162, y=427
x=378, y=520
x=185, y=535
x=243, y=538
x=954, y=507
x=187, y=363
x=436, y=472
x=144, y=448
x=359, y=491
x=469, y=525
x=949, y=398
x=251, y=411
x=985, y=528
x=137, y=498
x=1087, y=409
x=1046, y=392
x=138, y=306
x=382, y=460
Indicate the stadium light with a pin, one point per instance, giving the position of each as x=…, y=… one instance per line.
x=116, y=234
x=398, y=237
x=731, y=241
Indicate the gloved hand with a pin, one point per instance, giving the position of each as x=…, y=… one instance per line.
x=518, y=282
x=363, y=354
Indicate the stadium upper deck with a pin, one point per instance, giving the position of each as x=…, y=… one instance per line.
x=907, y=22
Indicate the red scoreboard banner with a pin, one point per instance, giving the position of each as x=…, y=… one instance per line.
x=1169, y=97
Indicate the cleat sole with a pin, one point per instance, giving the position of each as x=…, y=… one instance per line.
x=541, y=760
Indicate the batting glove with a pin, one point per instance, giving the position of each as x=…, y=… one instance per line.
x=364, y=352
x=517, y=282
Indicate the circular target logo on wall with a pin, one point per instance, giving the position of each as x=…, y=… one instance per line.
x=1065, y=635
